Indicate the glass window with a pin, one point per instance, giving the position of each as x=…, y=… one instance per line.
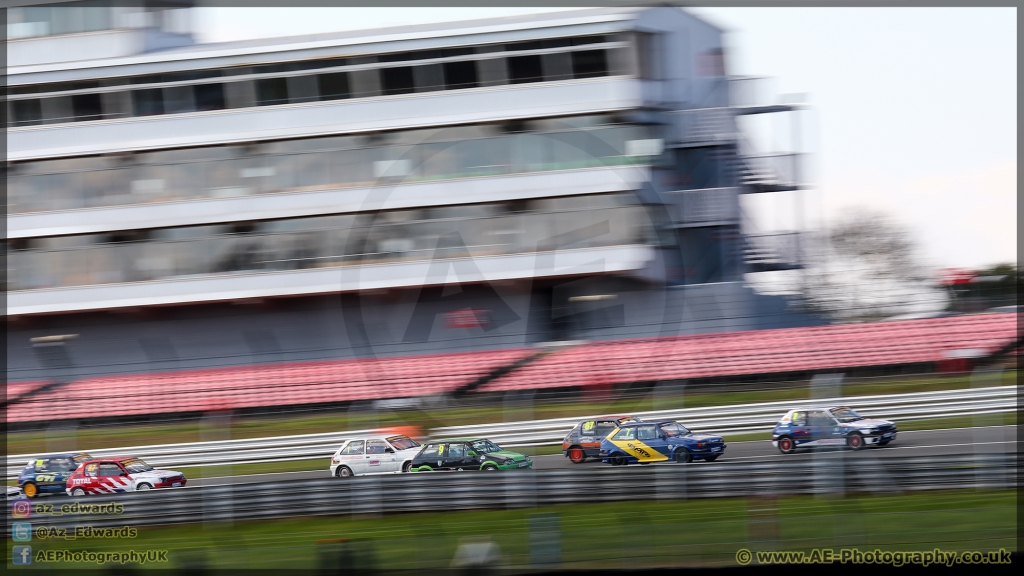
x=846, y=415
x=397, y=80
x=271, y=91
x=375, y=446
x=819, y=418
x=354, y=447
x=799, y=418
x=647, y=432
x=589, y=64
x=402, y=442
x=524, y=69
x=27, y=112
x=209, y=97
x=333, y=86
x=136, y=465
x=148, y=102
x=674, y=429
x=626, y=434
x=605, y=428
x=61, y=465
x=485, y=447
x=457, y=450
x=110, y=469
x=92, y=469
x=588, y=428
x=459, y=75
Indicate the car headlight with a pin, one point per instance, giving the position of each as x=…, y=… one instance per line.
x=866, y=431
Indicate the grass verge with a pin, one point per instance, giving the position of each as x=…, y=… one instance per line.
x=625, y=535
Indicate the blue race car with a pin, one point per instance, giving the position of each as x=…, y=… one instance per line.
x=49, y=474
x=661, y=441
x=830, y=426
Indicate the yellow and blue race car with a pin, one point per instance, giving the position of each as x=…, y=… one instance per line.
x=49, y=474
x=661, y=441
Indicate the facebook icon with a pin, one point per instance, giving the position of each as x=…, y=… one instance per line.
x=22, y=554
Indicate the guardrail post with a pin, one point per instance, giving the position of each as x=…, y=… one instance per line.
x=829, y=465
x=217, y=500
x=988, y=435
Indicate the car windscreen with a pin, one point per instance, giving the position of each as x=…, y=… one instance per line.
x=846, y=415
x=674, y=429
x=402, y=442
x=82, y=458
x=486, y=447
x=136, y=465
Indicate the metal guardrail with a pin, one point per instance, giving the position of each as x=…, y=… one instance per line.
x=719, y=419
x=823, y=472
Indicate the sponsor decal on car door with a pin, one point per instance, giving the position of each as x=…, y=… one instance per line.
x=377, y=458
x=627, y=441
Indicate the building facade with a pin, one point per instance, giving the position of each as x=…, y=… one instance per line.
x=457, y=186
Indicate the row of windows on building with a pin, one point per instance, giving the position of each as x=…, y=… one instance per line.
x=78, y=104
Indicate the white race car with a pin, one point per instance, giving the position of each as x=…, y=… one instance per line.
x=374, y=455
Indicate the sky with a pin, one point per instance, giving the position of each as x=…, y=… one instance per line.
x=913, y=111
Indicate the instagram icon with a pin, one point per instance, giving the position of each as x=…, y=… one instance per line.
x=22, y=509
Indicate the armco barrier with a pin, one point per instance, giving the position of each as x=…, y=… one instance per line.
x=827, y=471
x=718, y=419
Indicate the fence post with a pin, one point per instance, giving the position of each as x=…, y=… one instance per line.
x=828, y=465
x=988, y=435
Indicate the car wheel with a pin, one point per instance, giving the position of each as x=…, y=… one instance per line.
x=711, y=458
x=786, y=445
x=577, y=455
x=344, y=472
x=143, y=487
x=406, y=467
x=30, y=490
x=855, y=441
x=77, y=492
x=683, y=456
x=618, y=460
x=489, y=468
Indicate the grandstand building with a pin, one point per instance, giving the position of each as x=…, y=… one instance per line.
x=477, y=185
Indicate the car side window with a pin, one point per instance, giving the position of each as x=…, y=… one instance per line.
x=799, y=418
x=457, y=451
x=626, y=434
x=819, y=418
x=42, y=465
x=646, y=432
x=110, y=469
x=605, y=428
x=354, y=447
x=588, y=428
x=92, y=469
x=375, y=447
x=61, y=465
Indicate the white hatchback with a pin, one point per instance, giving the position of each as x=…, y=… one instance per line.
x=374, y=455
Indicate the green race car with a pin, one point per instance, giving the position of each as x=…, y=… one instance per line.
x=467, y=454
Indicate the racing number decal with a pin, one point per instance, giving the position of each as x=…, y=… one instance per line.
x=440, y=449
x=40, y=463
x=588, y=425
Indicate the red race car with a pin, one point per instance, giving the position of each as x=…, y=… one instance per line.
x=585, y=439
x=120, y=474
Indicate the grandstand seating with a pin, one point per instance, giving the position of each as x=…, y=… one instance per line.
x=596, y=364
x=260, y=386
x=764, y=352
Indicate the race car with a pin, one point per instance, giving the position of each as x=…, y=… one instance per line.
x=584, y=441
x=374, y=455
x=830, y=426
x=468, y=454
x=112, y=474
x=49, y=474
x=660, y=441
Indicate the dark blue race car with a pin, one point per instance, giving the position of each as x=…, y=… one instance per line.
x=49, y=474
x=660, y=441
x=830, y=426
